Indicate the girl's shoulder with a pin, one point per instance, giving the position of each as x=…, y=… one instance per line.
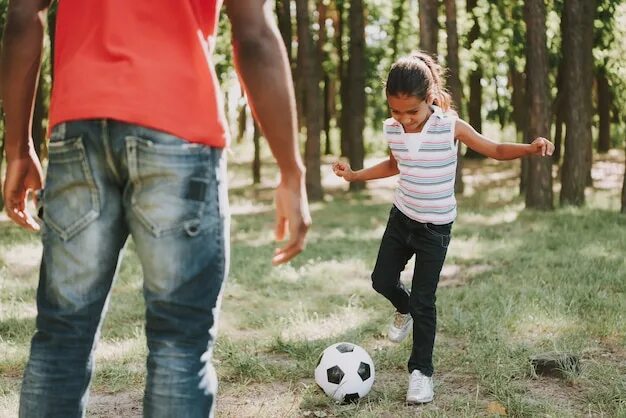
x=392, y=127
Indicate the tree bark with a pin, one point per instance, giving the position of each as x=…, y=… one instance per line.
x=604, y=112
x=539, y=190
x=256, y=162
x=474, y=108
x=343, y=80
x=454, y=81
x=578, y=65
x=283, y=13
x=398, y=16
x=429, y=26
x=356, y=88
x=624, y=192
x=309, y=70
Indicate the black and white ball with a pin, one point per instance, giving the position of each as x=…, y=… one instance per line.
x=345, y=372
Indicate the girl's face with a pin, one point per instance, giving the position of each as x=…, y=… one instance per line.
x=412, y=112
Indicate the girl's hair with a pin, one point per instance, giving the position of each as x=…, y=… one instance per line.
x=419, y=75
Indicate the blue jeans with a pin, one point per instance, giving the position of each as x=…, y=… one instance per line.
x=106, y=180
x=402, y=239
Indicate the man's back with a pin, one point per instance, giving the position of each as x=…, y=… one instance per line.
x=142, y=62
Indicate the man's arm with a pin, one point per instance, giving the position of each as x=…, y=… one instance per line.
x=19, y=72
x=263, y=67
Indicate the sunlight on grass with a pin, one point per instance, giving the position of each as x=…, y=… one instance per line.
x=509, y=215
x=536, y=327
x=9, y=402
x=17, y=310
x=301, y=324
x=119, y=350
x=22, y=259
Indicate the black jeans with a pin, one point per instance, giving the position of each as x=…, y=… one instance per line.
x=403, y=238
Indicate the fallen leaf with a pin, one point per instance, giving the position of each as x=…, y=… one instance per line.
x=497, y=408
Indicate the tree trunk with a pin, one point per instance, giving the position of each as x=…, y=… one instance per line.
x=474, y=108
x=429, y=26
x=604, y=112
x=624, y=193
x=283, y=13
x=329, y=99
x=558, y=107
x=241, y=122
x=256, y=162
x=578, y=65
x=1, y=159
x=322, y=12
x=539, y=189
x=343, y=81
x=309, y=70
x=398, y=16
x=356, y=88
x=454, y=81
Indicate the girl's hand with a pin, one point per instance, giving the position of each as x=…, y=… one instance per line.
x=542, y=146
x=342, y=169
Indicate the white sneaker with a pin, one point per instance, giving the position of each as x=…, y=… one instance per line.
x=399, y=327
x=420, y=388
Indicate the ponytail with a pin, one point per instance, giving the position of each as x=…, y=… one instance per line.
x=418, y=75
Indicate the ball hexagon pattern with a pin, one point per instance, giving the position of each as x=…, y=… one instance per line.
x=345, y=372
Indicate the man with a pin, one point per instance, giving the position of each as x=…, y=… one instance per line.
x=136, y=149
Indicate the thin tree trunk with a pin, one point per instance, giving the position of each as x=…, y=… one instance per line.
x=356, y=88
x=309, y=70
x=624, y=192
x=256, y=162
x=558, y=107
x=241, y=122
x=283, y=13
x=474, y=108
x=604, y=112
x=539, y=191
x=454, y=81
x=578, y=42
x=343, y=81
x=429, y=26
x=1, y=159
x=328, y=106
x=398, y=16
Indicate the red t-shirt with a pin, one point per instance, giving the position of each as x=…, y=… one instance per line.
x=139, y=61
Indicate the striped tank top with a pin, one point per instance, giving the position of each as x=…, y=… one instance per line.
x=427, y=163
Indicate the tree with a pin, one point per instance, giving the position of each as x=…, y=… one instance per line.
x=309, y=71
x=578, y=65
x=355, y=88
x=474, y=108
x=429, y=26
x=454, y=80
x=539, y=189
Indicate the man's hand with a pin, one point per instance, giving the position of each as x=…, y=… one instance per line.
x=24, y=175
x=543, y=147
x=292, y=212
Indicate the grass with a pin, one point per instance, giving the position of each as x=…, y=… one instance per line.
x=524, y=282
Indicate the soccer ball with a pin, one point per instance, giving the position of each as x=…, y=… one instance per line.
x=345, y=372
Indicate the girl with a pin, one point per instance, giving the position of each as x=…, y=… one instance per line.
x=422, y=136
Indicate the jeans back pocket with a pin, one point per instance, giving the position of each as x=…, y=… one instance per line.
x=174, y=185
x=71, y=196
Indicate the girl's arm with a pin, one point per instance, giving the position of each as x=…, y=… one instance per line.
x=500, y=151
x=381, y=170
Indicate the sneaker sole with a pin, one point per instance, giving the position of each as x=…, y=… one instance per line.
x=418, y=402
